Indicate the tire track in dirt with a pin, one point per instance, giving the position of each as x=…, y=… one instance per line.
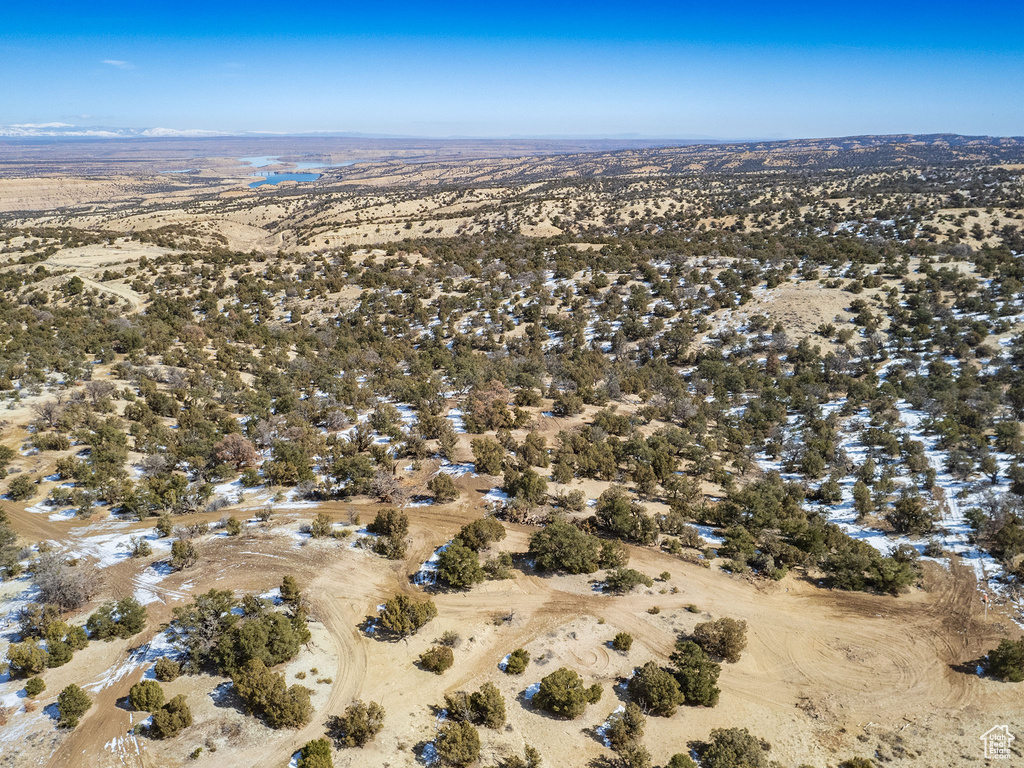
x=350, y=672
x=850, y=653
x=121, y=291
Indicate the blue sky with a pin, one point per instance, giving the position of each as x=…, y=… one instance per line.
x=743, y=70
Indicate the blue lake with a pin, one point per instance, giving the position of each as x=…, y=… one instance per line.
x=277, y=178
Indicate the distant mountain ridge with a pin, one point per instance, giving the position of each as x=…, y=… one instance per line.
x=66, y=130
x=58, y=130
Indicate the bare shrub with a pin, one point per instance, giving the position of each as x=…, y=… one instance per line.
x=66, y=586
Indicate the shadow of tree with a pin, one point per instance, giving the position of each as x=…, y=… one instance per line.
x=975, y=668
x=226, y=697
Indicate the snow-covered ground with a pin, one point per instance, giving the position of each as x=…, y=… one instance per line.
x=457, y=470
x=455, y=417
x=952, y=531
x=426, y=576
x=135, y=659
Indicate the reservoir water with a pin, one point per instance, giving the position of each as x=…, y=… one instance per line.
x=277, y=178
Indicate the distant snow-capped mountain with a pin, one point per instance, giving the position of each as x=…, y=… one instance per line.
x=66, y=130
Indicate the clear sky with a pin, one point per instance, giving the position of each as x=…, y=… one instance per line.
x=659, y=69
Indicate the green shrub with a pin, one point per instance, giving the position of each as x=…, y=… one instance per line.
x=164, y=525
x=25, y=659
x=76, y=638
x=633, y=754
x=623, y=580
x=733, y=748
x=487, y=455
x=443, y=488
x=21, y=488
x=51, y=441
x=480, y=534
x=183, y=554
x=622, y=642
x=122, y=619
x=251, y=478
x=166, y=669
x=526, y=487
x=517, y=662
x=72, y=703
x=171, y=718
x=437, y=659
x=390, y=547
x=655, y=690
x=910, y=514
x=392, y=526
x=499, y=566
x=488, y=706
x=624, y=517
x=390, y=522
x=458, y=744
x=358, y=726
x=531, y=759
x=34, y=686
x=1006, y=661
x=725, y=638
x=403, y=616
x=562, y=693
x=561, y=546
x=316, y=754
x=35, y=620
x=272, y=637
x=290, y=593
x=197, y=626
x=58, y=654
x=322, y=526
x=146, y=696
x=679, y=760
x=266, y=695
x=696, y=674
x=458, y=566
x=613, y=555
x=625, y=727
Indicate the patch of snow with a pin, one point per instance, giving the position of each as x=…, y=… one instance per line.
x=426, y=576
x=602, y=730
x=708, y=534
x=148, y=589
x=495, y=495
x=145, y=654
x=430, y=755
x=273, y=595
x=458, y=424
x=457, y=470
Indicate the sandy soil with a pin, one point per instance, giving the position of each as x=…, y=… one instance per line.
x=826, y=674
